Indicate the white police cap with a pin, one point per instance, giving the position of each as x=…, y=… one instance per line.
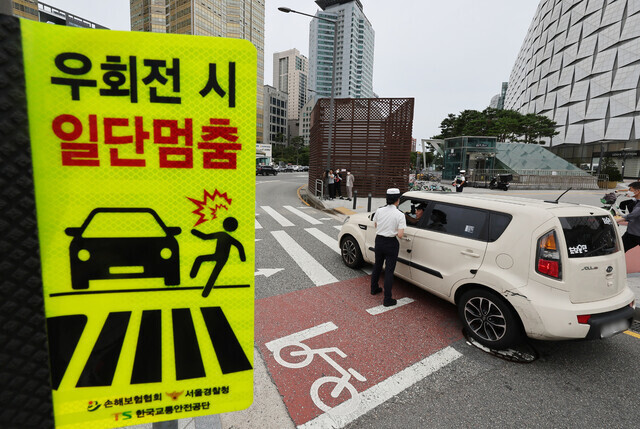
x=392, y=192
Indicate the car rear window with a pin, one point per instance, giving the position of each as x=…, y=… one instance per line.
x=588, y=236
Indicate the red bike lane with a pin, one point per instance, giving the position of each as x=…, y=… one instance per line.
x=355, y=351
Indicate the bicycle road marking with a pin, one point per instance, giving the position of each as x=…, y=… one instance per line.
x=311, y=220
x=387, y=389
x=302, y=335
x=324, y=238
x=277, y=216
x=312, y=268
x=381, y=308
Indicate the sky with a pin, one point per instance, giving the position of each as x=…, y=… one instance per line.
x=449, y=55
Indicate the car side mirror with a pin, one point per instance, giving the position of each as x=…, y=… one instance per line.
x=72, y=231
x=174, y=230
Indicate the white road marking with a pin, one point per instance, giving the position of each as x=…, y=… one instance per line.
x=338, y=227
x=311, y=220
x=267, y=272
x=298, y=337
x=258, y=239
x=387, y=389
x=381, y=308
x=325, y=218
x=277, y=216
x=330, y=242
x=258, y=226
x=312, y=268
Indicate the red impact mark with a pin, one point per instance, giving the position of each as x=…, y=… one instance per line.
x=209, y=202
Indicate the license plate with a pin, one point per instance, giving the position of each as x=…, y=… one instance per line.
x=614, y=328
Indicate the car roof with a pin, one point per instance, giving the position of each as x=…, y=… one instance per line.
x=491, y=201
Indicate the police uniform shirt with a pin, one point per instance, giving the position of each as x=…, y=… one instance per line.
x=389, y=220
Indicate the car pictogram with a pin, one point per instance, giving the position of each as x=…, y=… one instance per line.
x=121, y=243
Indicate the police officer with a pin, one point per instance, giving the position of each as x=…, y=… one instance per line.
x=459, y=181
x=390, y=224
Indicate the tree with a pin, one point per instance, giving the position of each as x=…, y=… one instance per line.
x=505, y=125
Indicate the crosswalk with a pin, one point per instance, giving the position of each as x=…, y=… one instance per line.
x=305, y=237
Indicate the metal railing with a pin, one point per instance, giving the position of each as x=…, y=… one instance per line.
x=540, y=179
x=319, y=189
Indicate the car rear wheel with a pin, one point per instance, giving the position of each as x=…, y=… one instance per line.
x=350, y=251
x=488, y=319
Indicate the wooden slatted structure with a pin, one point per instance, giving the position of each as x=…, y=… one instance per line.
x=372, y=139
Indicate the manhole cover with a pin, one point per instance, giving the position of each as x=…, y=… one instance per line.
x=523, y=353
x=635, y=326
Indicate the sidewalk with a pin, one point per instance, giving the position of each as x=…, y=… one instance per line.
x=343, y=208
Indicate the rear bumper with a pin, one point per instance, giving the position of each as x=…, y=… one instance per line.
x=607, y=324
x=550, y=315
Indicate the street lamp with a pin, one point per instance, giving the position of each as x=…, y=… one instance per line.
x=333, y=75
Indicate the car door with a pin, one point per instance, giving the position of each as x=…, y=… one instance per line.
x=448, y=246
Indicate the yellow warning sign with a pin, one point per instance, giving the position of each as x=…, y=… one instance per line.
x=143, y=151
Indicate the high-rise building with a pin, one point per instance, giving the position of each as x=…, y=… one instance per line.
x=290, y=75
x=38, y=11
x=497, y=101
x=240, y=19
x=354, y=55
x=275, y=116
x=580, y=66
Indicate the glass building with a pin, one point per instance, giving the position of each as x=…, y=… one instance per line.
x=355, y=41
x=468, y=153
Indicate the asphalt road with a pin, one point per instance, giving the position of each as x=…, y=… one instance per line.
x=590, y=384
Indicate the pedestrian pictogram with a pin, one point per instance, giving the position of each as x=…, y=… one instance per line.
x=143, y=149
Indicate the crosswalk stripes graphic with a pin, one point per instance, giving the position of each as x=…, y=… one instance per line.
x=258, y=226
x=311, y=220
x=283, y=221
x=312, y=268
x=147, y=365
x=65, y=332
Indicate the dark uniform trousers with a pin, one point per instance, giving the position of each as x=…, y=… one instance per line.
x=387, y=249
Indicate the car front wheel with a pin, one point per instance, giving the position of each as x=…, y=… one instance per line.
x=488, y=319
x=350, y=251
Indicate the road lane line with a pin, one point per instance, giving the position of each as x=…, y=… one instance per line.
x=277, y=216
x=312, y=268
x=311, y=220
x=326, y=239
x=633, y=334
x=385, y=390
x=381, y=308
x=258, y=226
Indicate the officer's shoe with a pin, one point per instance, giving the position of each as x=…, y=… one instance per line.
x=376, y=291
x=389, y=302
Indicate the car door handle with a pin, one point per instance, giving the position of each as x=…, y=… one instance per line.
x=406, y=238
x=470, y=253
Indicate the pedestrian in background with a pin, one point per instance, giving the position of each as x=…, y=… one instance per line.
x=325, y=184
x=631, y=237
x=332, y=185
x=390, y=224
x=349, y=184
x=337, y=181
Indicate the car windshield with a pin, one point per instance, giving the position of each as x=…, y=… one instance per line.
x=123, y=224
x=589, y=236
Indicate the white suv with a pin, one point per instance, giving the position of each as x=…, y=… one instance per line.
x=512, y=265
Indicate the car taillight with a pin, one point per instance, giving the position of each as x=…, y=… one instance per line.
x=548, y=257
x=584, y=318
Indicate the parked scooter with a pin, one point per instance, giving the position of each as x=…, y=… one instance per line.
x=502, y=181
